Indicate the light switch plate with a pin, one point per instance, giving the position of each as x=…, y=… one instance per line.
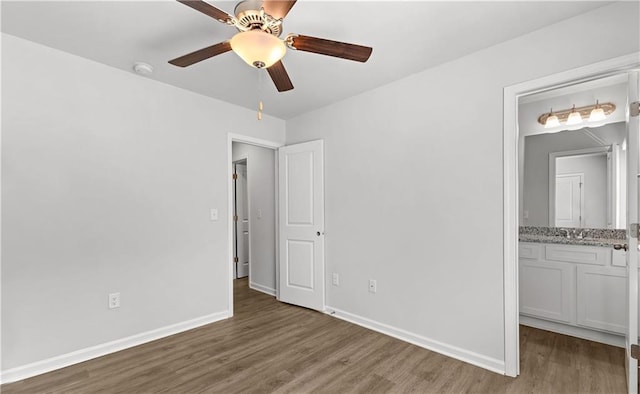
x=213, y=214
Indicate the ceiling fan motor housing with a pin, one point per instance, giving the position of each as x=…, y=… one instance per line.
x=250, y=16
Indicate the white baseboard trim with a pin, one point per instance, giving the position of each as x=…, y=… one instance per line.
x=78, y=356
x=263, y=289
x=579, y=332
x=479, y=360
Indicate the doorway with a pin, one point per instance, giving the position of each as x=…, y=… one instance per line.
x=286, y=235
x=256, y=226
x=513, y=215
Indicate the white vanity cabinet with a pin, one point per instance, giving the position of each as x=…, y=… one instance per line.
x=602, y=298
x=573, y=289
x=547, y=289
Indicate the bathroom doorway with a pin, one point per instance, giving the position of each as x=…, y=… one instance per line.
x=518, y=212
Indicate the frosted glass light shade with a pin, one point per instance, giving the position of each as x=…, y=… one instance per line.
x=552, y=121
x=597, y=114
x=574, y=118
x=257, y=48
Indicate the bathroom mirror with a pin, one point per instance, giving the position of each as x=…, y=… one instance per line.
x=575, y=178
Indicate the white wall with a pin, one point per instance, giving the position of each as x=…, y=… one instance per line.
x=535, y=196
x=414, y=185
x=594, y=170
x=107, y=182
x=261, y=184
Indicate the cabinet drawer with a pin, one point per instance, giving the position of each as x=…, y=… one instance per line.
x=529, y=250
x=581, y=254
x=602, y=298
x=547, y=290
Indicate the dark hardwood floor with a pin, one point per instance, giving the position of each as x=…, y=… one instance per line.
x=274, y=347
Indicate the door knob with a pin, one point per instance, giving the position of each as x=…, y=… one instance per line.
x=318, y=233
x=620, y=246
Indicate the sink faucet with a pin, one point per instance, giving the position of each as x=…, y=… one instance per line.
x=572, y=233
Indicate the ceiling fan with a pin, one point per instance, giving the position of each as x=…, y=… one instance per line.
x=259, y=24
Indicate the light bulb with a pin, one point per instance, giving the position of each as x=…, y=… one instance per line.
x=597, y=114
x=574, y=117
x=552, y=120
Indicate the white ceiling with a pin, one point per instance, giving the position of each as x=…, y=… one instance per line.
x=406, y=36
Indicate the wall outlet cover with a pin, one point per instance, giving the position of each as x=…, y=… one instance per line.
x=114, y=300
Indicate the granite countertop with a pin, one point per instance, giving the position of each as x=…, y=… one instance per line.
x=590, y=237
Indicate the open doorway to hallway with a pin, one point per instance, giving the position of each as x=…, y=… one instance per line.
x=254, y=216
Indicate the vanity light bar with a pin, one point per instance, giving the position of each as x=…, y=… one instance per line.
x=584, y=112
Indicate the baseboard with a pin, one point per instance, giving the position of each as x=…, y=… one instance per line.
x=579, y=332
x=263, y=289
x=78, y=356
x=479, y=360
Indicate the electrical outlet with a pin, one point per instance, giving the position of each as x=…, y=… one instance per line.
x=335, y=279
x=373, y=286
x=114, y=300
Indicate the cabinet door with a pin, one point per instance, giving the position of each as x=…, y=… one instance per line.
x=547, y=289
x=602, y=298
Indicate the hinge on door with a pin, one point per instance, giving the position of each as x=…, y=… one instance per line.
x=235, y=176
x=633, y=230
x=235, y=218
x=634, y=108
x=635, y=351
x=235, y=259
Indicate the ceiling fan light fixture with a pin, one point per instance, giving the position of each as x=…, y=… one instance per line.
x=257, y=48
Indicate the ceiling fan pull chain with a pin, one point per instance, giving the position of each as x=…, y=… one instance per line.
x=259, y=94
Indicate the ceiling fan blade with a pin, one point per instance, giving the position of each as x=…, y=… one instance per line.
x=277, y=8
x=207, y=9
x=202, y=54
x=323, y=46
x=280, y=77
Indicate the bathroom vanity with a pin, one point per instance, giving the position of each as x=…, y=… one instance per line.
x=574, y=282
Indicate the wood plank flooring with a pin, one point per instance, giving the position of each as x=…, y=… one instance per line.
x=274, y=347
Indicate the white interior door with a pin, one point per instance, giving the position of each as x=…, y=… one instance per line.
x=241, y=221
x=301, y=217
x=569, y=200
x=632, y=240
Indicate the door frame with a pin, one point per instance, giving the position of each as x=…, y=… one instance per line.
x=510, y=144
x=243, y=158
x=231, y=138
